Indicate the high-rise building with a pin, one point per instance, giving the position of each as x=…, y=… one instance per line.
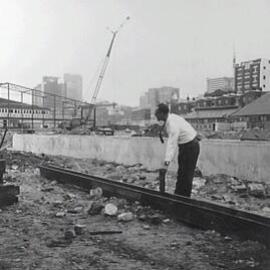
x=38, y=96
x=154, y=96
x=50, y=86
x=222, y=83
x=73, y=86
x=252, y=75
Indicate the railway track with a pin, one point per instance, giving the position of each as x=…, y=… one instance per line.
x=201, y=214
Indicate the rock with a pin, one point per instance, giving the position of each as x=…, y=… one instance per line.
x=14, y=167
x=95, y=208
x=120, y=168
x=227, y=238
x=266, y=209
x=47, y=189
x=124, y=178
x=110, y=209
x=216, y=197
x=79, y=229
x=142, y=217
x=121, y=203
x=128, y=216
x=70, y=234
x=60, y=214
x=96, y=193
x=234, y=181
x=227, y=198
x=239, y=188
x=69, y=196
x=135, y=178
x=167, y=220
x=198, y=182
x=108, y=166
x=142, y=177
x=146, y=227
x=76, y=210
x=57, y=203
x=155, y=219
x=256, y=190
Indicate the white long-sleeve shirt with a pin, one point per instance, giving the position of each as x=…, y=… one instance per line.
x=179, y=132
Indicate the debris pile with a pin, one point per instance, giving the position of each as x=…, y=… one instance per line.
x=56, y=226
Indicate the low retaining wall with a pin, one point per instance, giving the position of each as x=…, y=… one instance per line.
x=248, y=160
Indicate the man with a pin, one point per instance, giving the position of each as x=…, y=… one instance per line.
x=183, y=136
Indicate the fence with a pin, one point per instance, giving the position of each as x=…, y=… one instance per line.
x=23, y=107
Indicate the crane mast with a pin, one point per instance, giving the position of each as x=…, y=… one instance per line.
x=103, y=70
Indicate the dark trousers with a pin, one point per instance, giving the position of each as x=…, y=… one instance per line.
x=187, y=160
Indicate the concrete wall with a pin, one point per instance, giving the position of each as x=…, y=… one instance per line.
x=249, y=160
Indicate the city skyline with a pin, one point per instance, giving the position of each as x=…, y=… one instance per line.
x=177, y=44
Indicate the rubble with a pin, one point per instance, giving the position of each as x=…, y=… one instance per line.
x=125, y=217
x=256, y=190
x=79, y=229
x=94, y=208
x=60, y=214
x=28, y=231
x=110, y=209
x=95, y=193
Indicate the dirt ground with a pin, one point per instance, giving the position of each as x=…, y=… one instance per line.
x=32, y=231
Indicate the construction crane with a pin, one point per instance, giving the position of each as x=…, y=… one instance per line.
x=86, y=111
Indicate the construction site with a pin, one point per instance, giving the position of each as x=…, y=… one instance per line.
x=79, y=194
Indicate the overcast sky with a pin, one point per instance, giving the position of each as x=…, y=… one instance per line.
x=167, y=42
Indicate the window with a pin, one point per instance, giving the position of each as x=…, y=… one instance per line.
x=264, y=67
x=264, y=77
x=264, y=86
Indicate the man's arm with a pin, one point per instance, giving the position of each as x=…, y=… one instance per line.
x=172, y=143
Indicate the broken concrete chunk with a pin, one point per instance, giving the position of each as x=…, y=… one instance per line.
x=256, y=190
x=57, y=203
x=60, y=214
x=239, y=188
x=14, y=167
x=79, y=229
x=120, y=168
x=198, y=182
x=167, y=220
x=96, y=193
x=142, y=176
x=95, y=208
x=128, y=216
x=69, y=196
x=76, y=210
x=110, y=209
x=266, y=209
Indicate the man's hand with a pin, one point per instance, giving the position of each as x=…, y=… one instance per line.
x=165, y=165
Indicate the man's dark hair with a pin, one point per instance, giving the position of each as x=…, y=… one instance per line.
x=162, y=108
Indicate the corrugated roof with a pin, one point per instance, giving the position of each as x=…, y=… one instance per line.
x=202, y=114
x=260, y=106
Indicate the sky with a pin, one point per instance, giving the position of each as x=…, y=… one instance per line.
x=175, y=43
